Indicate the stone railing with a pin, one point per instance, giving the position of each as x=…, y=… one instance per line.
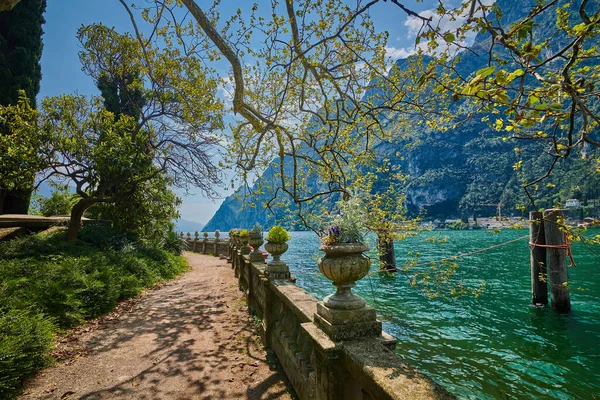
x=205, y=245
x=364, y=366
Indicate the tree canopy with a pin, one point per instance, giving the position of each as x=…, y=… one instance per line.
x=155, y=128
x=20, y=53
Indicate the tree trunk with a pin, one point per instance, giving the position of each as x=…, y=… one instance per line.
x=75, y=220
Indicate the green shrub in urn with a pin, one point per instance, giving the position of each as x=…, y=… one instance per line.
x=256, y=240
x=244, y=236
x=256, y=232
x=278, y=235
x=276, y=242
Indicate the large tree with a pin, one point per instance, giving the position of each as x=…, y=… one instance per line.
x=318, y=90
x=159, y=129
x=20, y=53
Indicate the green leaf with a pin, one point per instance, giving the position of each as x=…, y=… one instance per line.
x=515, y=74
x=449, y=37
x=485, y=72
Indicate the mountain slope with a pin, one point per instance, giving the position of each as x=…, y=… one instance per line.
x=453, y=173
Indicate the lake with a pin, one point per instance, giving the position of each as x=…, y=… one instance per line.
x=496, y=346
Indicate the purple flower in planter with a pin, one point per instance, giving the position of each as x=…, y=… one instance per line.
x=333, y=231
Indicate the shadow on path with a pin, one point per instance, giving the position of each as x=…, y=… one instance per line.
x=190, y=339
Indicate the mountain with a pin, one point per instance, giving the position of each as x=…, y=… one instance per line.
x=184, y=225
x=452, y=173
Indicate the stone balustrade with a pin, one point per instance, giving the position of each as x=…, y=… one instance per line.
x=205, y=245
x=317, y=366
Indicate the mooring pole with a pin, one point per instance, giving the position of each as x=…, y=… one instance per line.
x=387, y=254
x=539, y=285
x=557, y=260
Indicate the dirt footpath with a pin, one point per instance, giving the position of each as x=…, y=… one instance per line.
x=191, y=338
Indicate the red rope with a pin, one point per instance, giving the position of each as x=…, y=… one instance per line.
x=566, y=246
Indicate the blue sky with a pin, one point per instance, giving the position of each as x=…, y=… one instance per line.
x=61, y=70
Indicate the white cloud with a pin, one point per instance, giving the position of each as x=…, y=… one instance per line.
x=395, y=53
x=414, y=26
x=225, y=91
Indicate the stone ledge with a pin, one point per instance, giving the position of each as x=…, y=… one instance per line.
x=384, y=376
x=320, y=339
x=299, y=301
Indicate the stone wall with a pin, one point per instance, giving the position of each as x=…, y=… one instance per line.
x=317, y=366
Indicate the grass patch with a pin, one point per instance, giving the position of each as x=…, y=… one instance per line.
x=48, y=284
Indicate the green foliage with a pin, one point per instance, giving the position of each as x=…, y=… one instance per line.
x=458, y=226
x=20, y=74
x=349, y=226
x=171, y=242
x=278, y=235
x=19, y=143
x=257, y=231
x=60, y=202
x=21, y=51
x=25, y=341
x=244, y=233
x=49, y=283
x=147, y=211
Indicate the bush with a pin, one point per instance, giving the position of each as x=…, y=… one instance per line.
x=60, y=202
x=257, y=231
x=49, y=284
x=25, y=340
x=458, y=226
x=278, y=235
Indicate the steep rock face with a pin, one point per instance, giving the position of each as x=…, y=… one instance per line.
x=451, y=173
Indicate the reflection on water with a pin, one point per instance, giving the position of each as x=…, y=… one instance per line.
x=493, y=347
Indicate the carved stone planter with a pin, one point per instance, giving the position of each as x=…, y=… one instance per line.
x=276, y=250
x=256, y=255
x=276, y=268
x=344, y=264
x=344, y=315
x=244, y=249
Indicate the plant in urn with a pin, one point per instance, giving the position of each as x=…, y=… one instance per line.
x=256, y=240
x=244, y=239
x=277, y=245
x=345, y=315
x=344, y=264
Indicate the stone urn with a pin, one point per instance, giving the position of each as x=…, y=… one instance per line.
x=276, y=250
x=344, y=264
x=256, y=242
x=244, y=240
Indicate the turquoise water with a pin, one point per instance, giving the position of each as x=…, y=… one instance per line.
x=493, y=347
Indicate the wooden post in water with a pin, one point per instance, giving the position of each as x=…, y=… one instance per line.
x=539, y=287
x=557, y=260
x=387, y=254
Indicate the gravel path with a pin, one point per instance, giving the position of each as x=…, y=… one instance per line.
x=191, y=338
